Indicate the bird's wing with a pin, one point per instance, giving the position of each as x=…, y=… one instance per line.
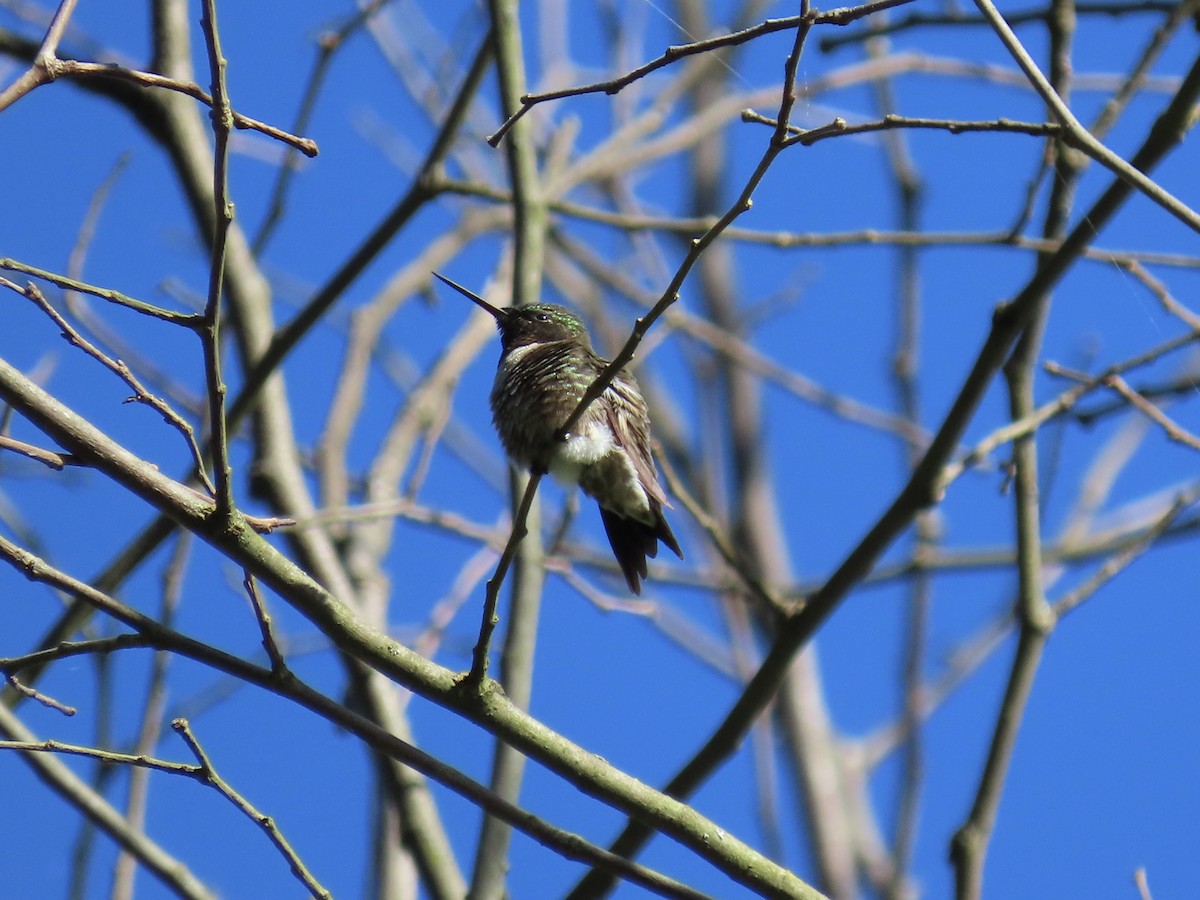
x=630, y=422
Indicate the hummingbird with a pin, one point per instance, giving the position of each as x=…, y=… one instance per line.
x=546, y=365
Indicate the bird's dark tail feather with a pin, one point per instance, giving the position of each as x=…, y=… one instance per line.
x=632, y=541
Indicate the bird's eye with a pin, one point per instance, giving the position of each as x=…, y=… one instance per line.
x=543, y=317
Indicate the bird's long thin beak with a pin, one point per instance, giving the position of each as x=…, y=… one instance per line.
x=499, y=314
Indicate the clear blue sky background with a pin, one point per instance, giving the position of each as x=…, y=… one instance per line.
x=1104, y=776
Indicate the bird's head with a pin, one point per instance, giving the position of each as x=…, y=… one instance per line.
x=536, y=323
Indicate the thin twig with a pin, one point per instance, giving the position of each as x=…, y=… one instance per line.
x=69, y=649
x=1061, y=404
x=122, y=371
x=1080, y=137
x=693, y=226
x=190, y=320
x=839, y=127
x=57, y=461
x=80, y=70
x=1174, y=431
x=1178, y=13
x=210, y=335
x=956, y=18
x=722, y=542
x=1121, y=560
x=1142, y=883
x=46, y=62
x=841, y=16
x=1163, y=295
x=278, y=664
x=36, y=695
x=479, y=656
x=207, y=773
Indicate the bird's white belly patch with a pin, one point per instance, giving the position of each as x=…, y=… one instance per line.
x=579, y=450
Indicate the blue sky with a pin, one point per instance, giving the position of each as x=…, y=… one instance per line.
x=1103, y=777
